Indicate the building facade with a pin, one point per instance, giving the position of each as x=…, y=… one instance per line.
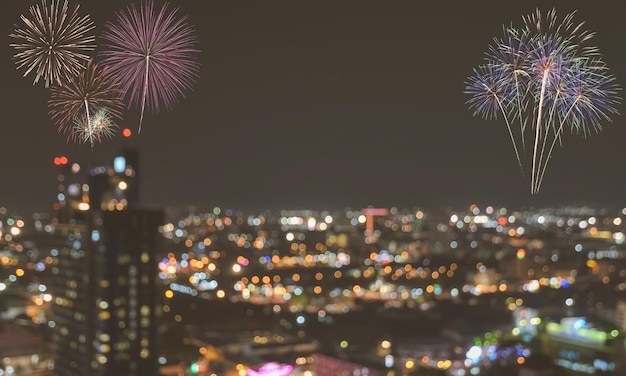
x=106, y=304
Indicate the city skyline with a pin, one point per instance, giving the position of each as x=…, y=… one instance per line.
x=324, y=105
x=428, y=286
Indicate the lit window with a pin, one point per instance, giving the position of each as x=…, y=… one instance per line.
x=119, y=164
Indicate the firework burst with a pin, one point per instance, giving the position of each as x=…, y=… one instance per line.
x=153, y=54
x=93, y=90
x=544, y=77
x=100, y=125
x=53, y=42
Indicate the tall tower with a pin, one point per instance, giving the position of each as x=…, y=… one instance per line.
x=113, y=185
x=69, y=285
x=125, y=297
x=105, y=288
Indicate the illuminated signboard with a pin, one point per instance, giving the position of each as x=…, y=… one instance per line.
x=271, y=369
x=577, y=331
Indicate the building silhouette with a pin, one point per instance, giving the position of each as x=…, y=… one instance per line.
x=106, y=307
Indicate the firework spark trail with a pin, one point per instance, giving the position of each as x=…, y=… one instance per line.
x=538, y=126
x=591, y=98
x=489, y=98
x=87, y=118
x=545, y=77
x=92, y=90
x=53, y=43
x=153, y=54
x=510, y=57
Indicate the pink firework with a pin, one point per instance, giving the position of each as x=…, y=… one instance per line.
x=153, y=55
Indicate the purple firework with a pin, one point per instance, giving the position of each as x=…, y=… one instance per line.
x=153, y=54
x=545, y=77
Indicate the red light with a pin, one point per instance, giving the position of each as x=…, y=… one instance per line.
x=126, y=132
x=57, y=161
x=63, y=160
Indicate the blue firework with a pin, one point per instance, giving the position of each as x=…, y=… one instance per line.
x=545, y=77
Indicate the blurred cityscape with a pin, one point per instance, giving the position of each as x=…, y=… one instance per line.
x=100, y=285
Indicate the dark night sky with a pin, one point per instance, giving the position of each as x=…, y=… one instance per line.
x=325, y=104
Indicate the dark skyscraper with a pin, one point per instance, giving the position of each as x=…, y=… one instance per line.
x=103, y=186
x=124, y=264
x=106, y=304
x=72, y=309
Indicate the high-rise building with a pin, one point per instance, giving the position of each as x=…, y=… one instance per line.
x=71, y=306
x=106, y=303
x=113, y=185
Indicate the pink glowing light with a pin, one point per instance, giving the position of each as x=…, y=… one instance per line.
x=271, y=369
